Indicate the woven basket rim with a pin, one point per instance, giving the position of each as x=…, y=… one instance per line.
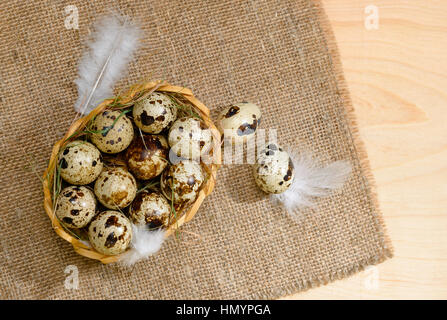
x=161, y=86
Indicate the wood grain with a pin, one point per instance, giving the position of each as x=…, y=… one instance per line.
x=397, y=78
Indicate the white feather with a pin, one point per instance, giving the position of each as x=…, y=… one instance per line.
x=144, y=243
x=110, y=49
x=311, y=180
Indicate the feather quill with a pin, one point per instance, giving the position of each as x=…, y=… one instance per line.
x=144, y=243
x=110, y=48
x=311, y=180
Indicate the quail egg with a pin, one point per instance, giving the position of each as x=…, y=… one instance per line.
x=147, y=156
x=189, y=138
x=116, y=136
x=154, y=113
x=239, y=122
x=76, y=206
x=150, y=208
x=110, y=232
x=273, y=171
x=80, y=162
x=182, y=181
x=115, y=187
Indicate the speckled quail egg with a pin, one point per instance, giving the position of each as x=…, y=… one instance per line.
x=273, y=171
x=147, y=156
x=182, y=181
x=239, y=122
x=151, y=208
x=80, y=162
x=189, y=138
x=154, y=113
x=76, y=206
x=115, y=187
x=110, y=232
x=115, y=136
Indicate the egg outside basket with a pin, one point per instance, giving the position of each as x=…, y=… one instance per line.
x=136, y=92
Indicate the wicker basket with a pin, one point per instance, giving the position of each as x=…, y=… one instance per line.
x=136, y=91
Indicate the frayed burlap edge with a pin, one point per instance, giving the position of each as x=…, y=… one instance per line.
x=351, y=129
x=359, y=146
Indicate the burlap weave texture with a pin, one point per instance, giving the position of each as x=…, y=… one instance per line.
x=278, y=54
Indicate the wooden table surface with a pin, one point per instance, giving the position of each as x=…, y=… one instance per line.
x=397, y=78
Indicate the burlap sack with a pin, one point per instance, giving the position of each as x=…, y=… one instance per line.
x=278, y=54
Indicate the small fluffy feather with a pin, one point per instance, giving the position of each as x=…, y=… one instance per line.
x=110, y=49
x=311, y=180
x=144, y=243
